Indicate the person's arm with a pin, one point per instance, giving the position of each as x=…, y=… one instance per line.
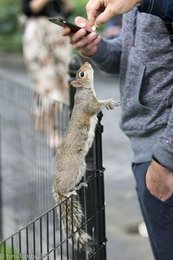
x=108, y=55
x=100, y=12
x=161, y=8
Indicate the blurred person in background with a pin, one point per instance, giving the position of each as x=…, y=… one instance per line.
x=46, y=54
x=143, y=55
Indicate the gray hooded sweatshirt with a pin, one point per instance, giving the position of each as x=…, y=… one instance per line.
x=146, y=84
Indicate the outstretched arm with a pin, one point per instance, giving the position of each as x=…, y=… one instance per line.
x=101, y=11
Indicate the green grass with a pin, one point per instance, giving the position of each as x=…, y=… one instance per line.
x=8, y=253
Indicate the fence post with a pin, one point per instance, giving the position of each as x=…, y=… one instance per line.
x=96, y=195
x=1, y=223
x=101, y=191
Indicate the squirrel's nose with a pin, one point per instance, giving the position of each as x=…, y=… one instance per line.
x=87, y=64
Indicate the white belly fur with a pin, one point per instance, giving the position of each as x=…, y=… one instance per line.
x=91, y=132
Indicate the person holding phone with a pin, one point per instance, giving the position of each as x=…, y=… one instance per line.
x=143, y=56
x=47, y=57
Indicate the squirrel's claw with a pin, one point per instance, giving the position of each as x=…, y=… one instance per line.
x=112, y=103
x=82, y=184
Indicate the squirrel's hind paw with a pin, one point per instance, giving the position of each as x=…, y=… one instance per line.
x=82, y=184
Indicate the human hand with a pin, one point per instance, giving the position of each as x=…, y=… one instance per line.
x=101, y=11
x=86, y=44
x=159, y=181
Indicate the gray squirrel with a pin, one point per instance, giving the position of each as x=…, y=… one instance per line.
x=70, y=156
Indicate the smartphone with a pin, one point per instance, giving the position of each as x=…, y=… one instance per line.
x=60, y=21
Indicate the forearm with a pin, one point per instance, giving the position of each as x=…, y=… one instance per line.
x=108, y=55
x=161, y=8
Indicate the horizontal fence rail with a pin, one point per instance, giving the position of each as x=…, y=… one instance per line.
x=30, y=219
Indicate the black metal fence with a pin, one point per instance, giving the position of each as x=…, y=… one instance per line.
x=28, y=215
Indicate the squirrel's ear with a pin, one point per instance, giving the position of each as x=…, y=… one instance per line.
x=77, y=83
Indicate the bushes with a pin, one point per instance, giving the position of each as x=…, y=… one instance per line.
x=79, y=8
x=10, y=35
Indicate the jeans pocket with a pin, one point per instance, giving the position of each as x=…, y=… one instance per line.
x=153, y=197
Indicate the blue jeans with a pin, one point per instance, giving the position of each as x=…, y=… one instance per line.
x=158, y=215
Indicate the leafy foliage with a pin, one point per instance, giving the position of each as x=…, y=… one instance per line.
x=79, y=8
x=10, y=35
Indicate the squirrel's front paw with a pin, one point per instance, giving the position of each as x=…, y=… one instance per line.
x=112, y=103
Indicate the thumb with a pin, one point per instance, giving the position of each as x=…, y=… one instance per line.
x=80, y=21
x=83, y=23
x=104, y=17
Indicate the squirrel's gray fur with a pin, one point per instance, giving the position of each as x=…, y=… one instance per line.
x=70, y=157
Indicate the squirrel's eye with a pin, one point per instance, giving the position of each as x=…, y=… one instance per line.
x=81, y=74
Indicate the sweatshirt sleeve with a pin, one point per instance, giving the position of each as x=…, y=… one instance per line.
x=161, y=8
x=163, y=150
x=108, y=55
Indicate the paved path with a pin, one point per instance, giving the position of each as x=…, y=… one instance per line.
x=122, y=207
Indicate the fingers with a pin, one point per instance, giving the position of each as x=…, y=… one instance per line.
x=78, y=36
x=80, y=21
x=92, y=9
x=83, y=23
x=86, y=43
x=159, y=181
x=88, y=49
x=66, y=31
x=99, y=12
x=105, y=16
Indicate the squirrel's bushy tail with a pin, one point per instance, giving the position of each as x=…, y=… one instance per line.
x=71, y=213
